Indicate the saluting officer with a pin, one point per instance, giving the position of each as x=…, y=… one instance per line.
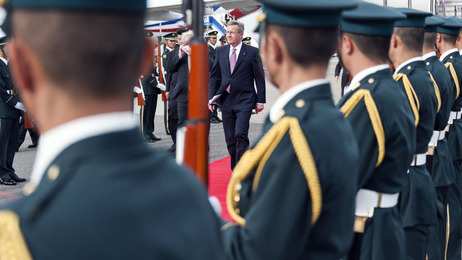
x=443, y=243
x=383, y=123
x=418, y=198
x=98, y=191
x=292, y=195
x=10, y=106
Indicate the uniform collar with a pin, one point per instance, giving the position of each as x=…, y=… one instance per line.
x=4, y=60
x=211, y=45
x=429, y=55
x=285, y=98
x=54, y=141
x=460, y=52
x=402, y=65
x=364, y=73
x=447, y=53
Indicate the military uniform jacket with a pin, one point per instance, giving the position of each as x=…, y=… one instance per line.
x=455, y=133
x=212, y=54
x=280, y=211
x=150, y=85
x=442, y=171
x=180, y=65
x=418, y=198
x=112, y=197
x=172, y=74
x=8, y=98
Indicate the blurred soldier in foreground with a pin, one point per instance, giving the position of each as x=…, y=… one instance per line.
x=98, y=191
x=384, y=126
x=292, y=195
x=418, y=198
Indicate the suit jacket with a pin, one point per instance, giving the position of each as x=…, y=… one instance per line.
x=150, y=84
x=7, y=100
x=247, y=72
x=113, y=197
x=278, y=212
x=180, y=65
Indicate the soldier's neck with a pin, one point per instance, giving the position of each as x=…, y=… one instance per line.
x=404, y=55
x=444, y=47
x=290, y=76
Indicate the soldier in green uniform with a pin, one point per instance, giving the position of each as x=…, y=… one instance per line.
x=383, y=123
x=292, y=195
x=247, y=40
x=418, y=198
x=212, y=42
x=10, y=106
x=444, y=243
x=98, y=191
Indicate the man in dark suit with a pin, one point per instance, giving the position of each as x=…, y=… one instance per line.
x=98, y=191
x=236, y=69
x=9, y=121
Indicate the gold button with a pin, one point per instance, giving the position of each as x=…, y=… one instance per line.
x=409, y=67
x=300, y=103
x=238, y=187
x=53, y=172
x=371, y=80
x=237, y=198
x=428, y=63
x=28, y=189
x=237, y=211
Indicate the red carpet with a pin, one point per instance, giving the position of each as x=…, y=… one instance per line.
x=219, y=175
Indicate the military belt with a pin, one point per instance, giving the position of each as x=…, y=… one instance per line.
x=12, y=92
x=419, y=159
x=367, y=201
x=437, y=135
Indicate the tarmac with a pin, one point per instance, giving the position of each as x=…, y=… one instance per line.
x=24, y=159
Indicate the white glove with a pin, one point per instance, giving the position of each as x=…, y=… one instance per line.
x=137, y=90
x=161, y=86
x=20, y=106
x=157, y=71
x=187, y=49
x=215, y=205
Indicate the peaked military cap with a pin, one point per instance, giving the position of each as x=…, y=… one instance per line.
x=3, y=40
x=138, y=6
x=170, y=36
x=247, y=40
x=370, y=19
x=432, y=22
x=450, y=26
x=148, y=34
x=304, y=13
x=212, y=34
x=415, y=18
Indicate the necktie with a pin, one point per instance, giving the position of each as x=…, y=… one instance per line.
x=232, y=64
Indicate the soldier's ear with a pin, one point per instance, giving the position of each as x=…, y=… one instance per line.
x=146, y=60
x=21, y=63
x=348, y=45
x=393, y=41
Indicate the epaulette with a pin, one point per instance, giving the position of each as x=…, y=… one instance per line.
x=12, y=243
x=437, y=92
x=374, y=116
x=411, y=95
x=452, y=70
x=257, y=157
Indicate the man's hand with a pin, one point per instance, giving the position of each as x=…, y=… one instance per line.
x=211, y=107
x=336, y=78
x=181, y=51
x=167, y=95
x=259, y=108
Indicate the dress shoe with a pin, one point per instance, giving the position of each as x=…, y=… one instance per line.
x=215, y=121
x=155, y=138
x=32, y=146
x=7, y=182
x=16, y=178
x=172, y=149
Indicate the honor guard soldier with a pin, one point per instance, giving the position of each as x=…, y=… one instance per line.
x=212, y=42
x=446, y=37
x=98, y=191
x=443, y=243
x=384, y=126
x=418, y=198
x=10, y=107
x=247, y=40
x=170, y=43
x=293, y=194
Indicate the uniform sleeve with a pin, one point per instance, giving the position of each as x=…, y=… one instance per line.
x=279, y=216
x=9, y=99
x=259, y=75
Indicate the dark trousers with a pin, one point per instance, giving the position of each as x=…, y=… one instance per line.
x=9, y=128
x=172, y=119
x=147, y=116
x=23, y=131
x=416, y=241
x=182, y=110
x=214, y=114
x=236, y=127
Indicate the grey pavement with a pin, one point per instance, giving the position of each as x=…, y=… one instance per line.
x=24, y=159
